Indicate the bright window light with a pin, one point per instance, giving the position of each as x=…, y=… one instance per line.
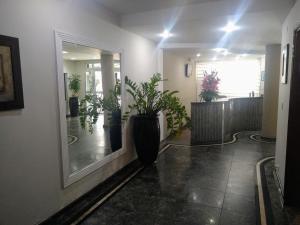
x=238, y=78
x=230, y=27
x=166, y=34
x=238, y=57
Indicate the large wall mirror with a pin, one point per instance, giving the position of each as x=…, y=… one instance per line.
x=88, y=76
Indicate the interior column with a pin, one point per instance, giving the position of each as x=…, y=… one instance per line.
x=271, y=89
x=108, y=81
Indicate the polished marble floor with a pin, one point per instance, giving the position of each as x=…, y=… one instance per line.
x=190, y=186
x=89, y=148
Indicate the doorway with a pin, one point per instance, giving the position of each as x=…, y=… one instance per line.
x=292, y=178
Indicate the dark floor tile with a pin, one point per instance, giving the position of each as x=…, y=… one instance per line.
x=240, y=188
x=239, y=203
x=207, y=182
x=235, y=218
x=196, y=214
x=205, y=197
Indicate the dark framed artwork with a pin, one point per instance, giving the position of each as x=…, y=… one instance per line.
x=285, y=64
x=11, y=90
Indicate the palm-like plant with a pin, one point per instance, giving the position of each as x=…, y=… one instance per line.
x=148, y=101
x=92, y=106
x=74, y=84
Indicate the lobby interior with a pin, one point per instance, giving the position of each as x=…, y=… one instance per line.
x=68, y=137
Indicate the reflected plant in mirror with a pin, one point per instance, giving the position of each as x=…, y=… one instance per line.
x=74, y=87
x=92, y=106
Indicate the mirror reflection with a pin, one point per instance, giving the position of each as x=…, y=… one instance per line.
x=93, y=104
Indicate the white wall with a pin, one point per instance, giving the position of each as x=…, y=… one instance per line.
x=30, y=167
x=271, y=84
x=289, y=26
x=173, y=70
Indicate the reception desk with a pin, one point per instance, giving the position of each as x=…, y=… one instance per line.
x=215, y=122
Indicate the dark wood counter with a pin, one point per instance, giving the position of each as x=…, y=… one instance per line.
x=215, y=122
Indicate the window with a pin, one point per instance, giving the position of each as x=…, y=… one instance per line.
x=238, y=78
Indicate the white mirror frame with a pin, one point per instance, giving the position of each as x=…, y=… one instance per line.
x=68, y=178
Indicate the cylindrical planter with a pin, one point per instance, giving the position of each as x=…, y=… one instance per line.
x=146, y=134
x=115, y=131
x=74, y=106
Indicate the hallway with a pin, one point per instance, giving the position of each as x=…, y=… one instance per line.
x=191, y=185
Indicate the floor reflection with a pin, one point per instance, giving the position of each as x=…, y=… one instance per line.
x=89, y=148
x=190, y=186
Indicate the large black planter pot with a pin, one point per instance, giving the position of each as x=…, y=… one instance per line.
x=146, y=134
x=115, y=131
x=74, y=106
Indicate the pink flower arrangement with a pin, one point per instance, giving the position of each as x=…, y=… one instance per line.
x=210, y=82
x=210, y=86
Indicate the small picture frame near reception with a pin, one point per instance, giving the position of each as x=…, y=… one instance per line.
x=11, y=91
x=285, y=64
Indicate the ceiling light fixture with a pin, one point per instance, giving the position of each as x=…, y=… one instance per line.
x=226, y=53
x=198, y=55
x=219, y=50
x=166, y=34
x=230, y=27
x=65, y=52
x=73, y=58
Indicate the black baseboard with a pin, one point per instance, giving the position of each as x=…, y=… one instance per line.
x=73, y=211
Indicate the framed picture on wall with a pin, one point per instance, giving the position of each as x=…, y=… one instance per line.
x=11, y=90
x=285, y=64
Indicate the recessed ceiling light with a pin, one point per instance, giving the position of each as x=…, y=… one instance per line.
x=65, y=52
x=166, y=34
x=198, y=55
x=220, y=50
x=226, y=53
x=230, y=27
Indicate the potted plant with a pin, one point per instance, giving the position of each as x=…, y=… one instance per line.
x=74, y=86
x=92, y=106
x=210, y=87
x=148, y=101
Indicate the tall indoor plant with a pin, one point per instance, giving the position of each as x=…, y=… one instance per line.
x=92, y=106
x=74, y=86
x=148, y=101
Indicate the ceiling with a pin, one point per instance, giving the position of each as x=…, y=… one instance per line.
x=199, y=22
x=136, y=6
x=210, y=54
x=78, y=52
